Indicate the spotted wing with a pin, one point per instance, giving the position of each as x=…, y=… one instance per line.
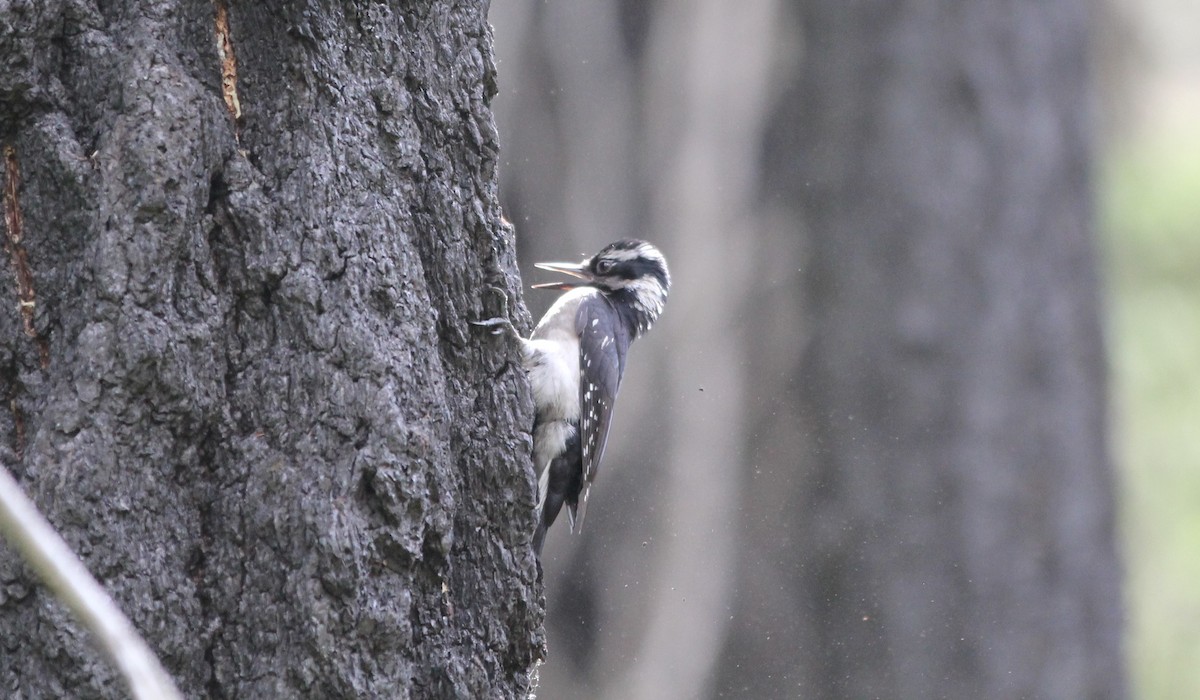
x=603, y=341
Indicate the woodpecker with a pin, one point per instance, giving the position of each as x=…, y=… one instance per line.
x=575, y=358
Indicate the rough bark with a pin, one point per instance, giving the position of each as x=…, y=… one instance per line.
x=241, y=380
x=948, y=529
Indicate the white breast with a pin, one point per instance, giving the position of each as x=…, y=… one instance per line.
x=552, y=359
x=553, y=368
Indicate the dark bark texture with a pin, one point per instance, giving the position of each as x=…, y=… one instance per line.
x=235, y=362
x=951, y=526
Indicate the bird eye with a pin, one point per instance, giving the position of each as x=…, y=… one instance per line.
x=604, y=267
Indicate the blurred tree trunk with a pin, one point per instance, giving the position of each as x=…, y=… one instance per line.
x=898, y=332
x=644, y=119
x=943, y=526
x=240, y=378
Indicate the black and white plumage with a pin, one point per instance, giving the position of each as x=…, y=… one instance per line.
x=575, y=358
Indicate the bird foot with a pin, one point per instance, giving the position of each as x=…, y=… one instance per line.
x=499, y=323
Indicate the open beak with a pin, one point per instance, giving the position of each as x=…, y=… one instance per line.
x=573, y=269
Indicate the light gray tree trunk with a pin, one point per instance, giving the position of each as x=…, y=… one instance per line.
x=236, y=365
x=644, y=120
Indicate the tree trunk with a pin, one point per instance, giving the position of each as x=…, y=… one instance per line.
x=238, y=372
x=943, y=528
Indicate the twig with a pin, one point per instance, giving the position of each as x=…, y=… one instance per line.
x=50, y=556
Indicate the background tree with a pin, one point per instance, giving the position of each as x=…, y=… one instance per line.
x=955, y=513
x=243, y=244
x=863, y=455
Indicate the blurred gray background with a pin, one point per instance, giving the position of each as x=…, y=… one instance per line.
x=916, y=422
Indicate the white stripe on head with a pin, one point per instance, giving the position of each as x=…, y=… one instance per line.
x=625, y=254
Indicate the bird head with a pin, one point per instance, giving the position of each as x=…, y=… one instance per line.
x=619, y=266
x=629, y=271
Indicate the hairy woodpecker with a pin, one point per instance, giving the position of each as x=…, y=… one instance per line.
x=575, y=358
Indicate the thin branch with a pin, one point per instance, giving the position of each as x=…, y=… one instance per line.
x=51, y=557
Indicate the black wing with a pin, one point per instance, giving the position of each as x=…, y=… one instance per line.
x=603, y=341
x=563, y=483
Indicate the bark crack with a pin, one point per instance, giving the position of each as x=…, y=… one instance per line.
x=18, y=429
x=13, y=223
x=228, y=61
